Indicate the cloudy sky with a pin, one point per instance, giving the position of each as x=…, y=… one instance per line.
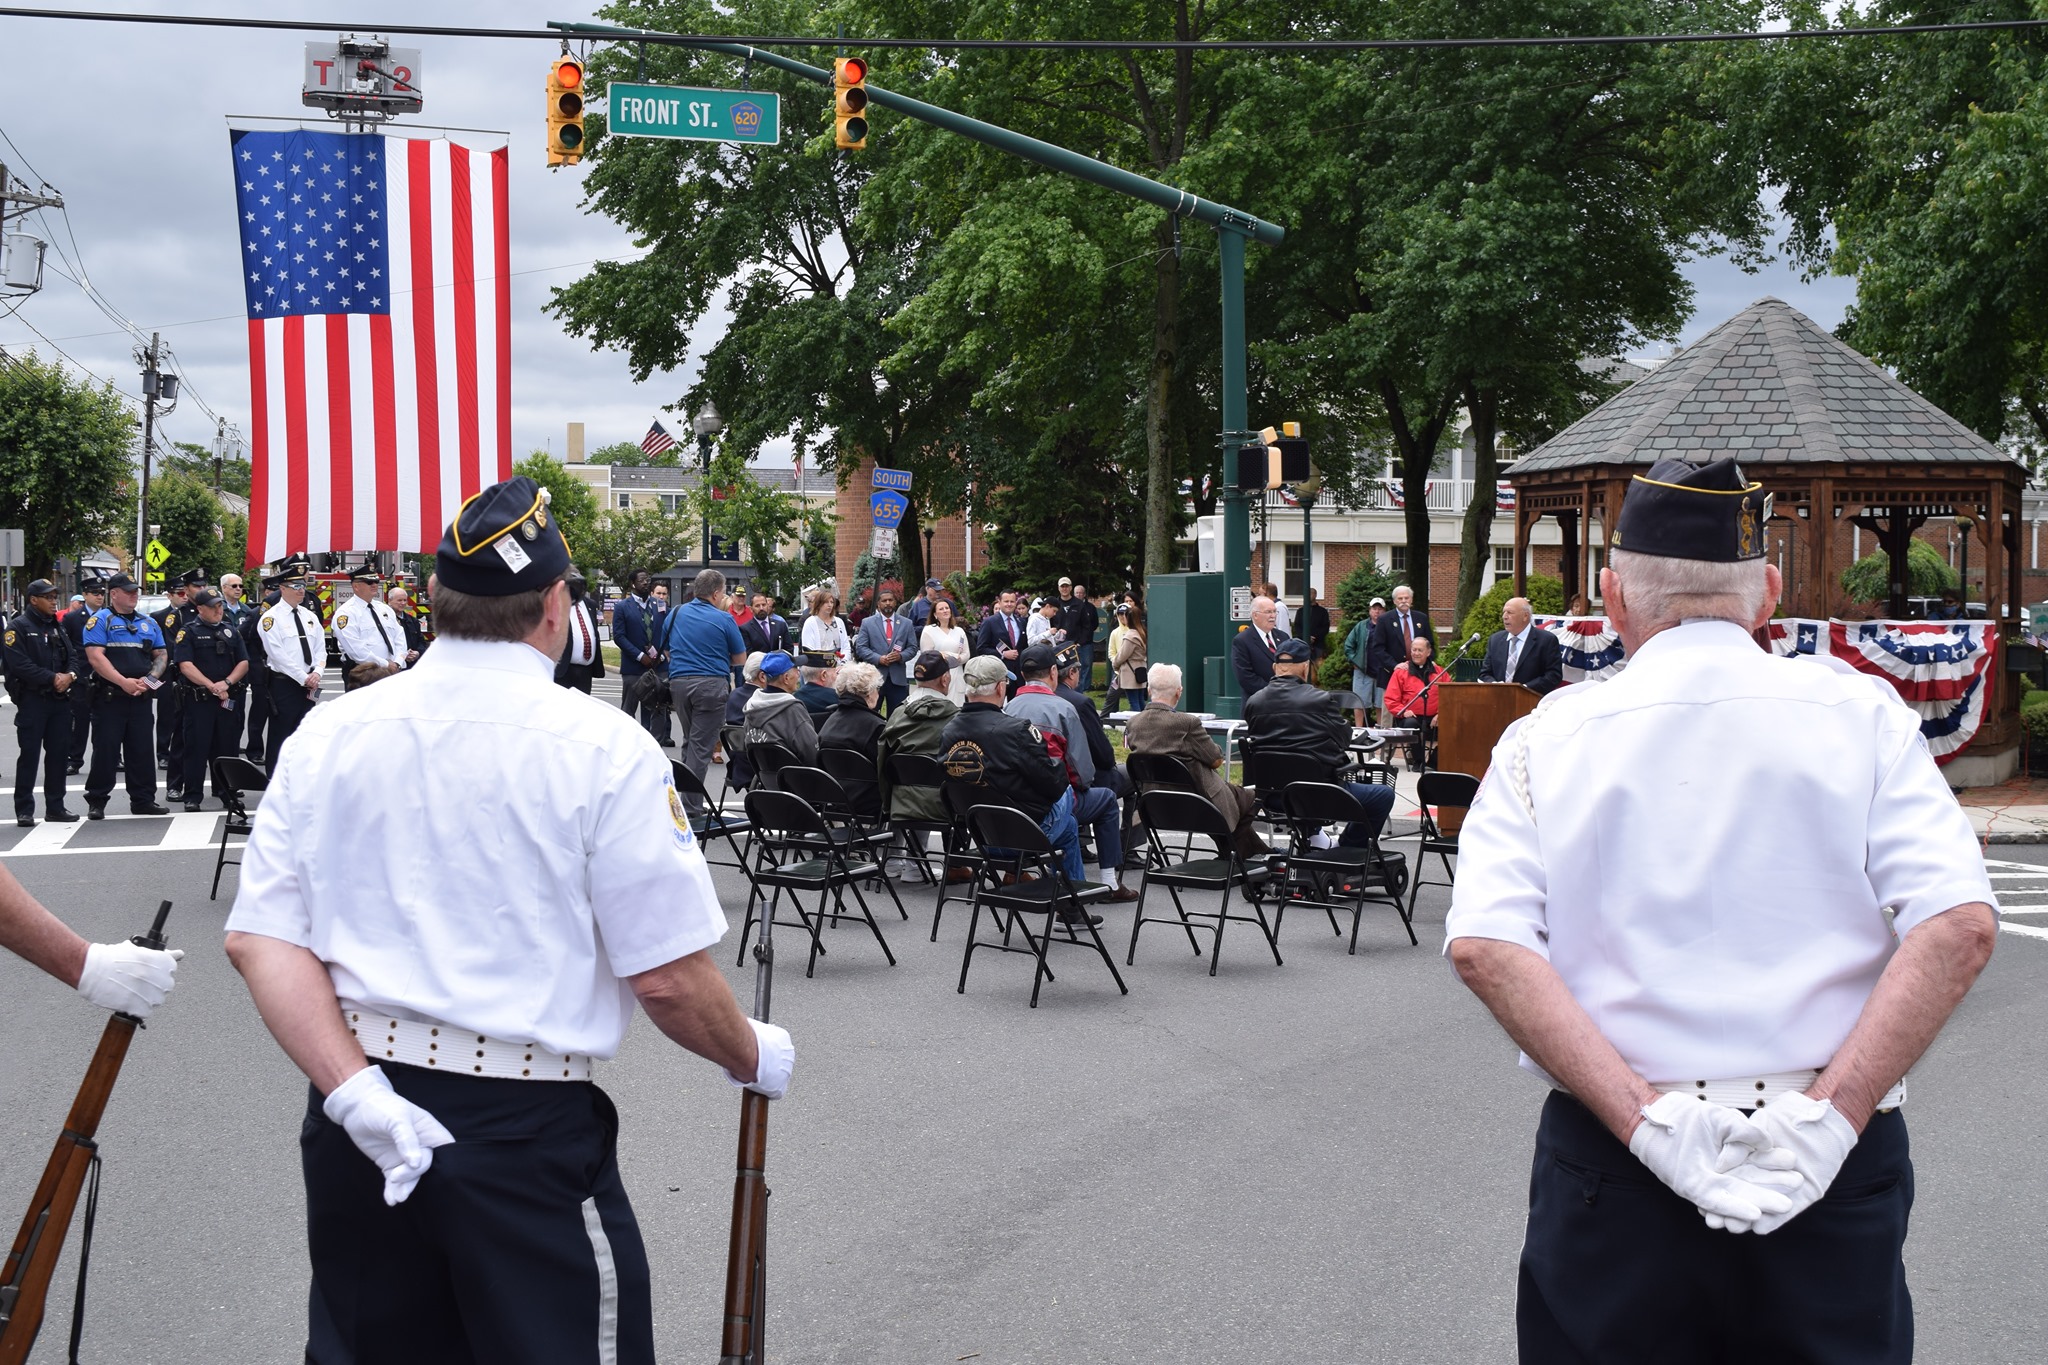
x=131, y=127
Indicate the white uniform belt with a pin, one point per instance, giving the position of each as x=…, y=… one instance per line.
x=1754, y=1092
x=445, y=1048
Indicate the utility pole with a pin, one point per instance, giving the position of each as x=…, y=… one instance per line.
x=157, y=385
x=21, y=256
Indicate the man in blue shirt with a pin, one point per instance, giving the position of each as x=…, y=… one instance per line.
x=704, y=646
x=127, y=655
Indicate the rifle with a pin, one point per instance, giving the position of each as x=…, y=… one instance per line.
x=74, y=1165
x=746, y=1259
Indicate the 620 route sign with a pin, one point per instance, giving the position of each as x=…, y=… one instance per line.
x=679, y=111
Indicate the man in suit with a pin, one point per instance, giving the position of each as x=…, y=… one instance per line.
x=581, y=658
x=766, y=632
x=1160, y=729
x=1520, y=653
x=633, y=632
x=1253, y=651
x=1387, y=650
x=888, y=640
x=1002, y=634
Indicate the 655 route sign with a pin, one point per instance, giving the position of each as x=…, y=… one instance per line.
x=678, y=111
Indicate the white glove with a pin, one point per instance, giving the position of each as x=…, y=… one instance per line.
x=778, y=1058
x=128, y=978
x=1819, y=1139
x=387, y=1128
x=1713, y=1157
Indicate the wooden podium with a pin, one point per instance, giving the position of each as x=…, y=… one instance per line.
x=1470, y=718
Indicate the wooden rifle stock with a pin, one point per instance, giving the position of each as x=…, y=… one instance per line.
x=746, y=1259
x=25, y=1277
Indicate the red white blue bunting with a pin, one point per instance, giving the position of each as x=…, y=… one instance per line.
x=1592, y=650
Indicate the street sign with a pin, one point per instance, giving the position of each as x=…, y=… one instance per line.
x=680, y=111
x=898, y=479
x=156, y=554
x=889, y=507
x=152, y=580
x=12, y=549
x=883, y=544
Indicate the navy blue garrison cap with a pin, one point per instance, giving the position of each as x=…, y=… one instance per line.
x=1680, y=510
x=504, y=541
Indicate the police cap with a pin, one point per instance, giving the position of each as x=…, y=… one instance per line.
x=503, y=541
x=369, y=573
x=94, y=584
x=42, y=587
x=1681, y=510
x=191, y=578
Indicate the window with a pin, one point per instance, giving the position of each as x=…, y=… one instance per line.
x=671, y=502
x=625, y=502
x=1397, y=559
x=1503, y=561
x=1293, y=573
x=1185, y=556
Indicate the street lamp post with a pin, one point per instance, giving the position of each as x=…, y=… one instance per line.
x=928, y=553
x=707, y=424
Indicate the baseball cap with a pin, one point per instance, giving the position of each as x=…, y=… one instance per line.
x=933, y=583
x=931, y=665
x=1292, y=650
x=42, y=587
x=985, y=670
x=776, y=664
x=1037, y=659
x=1377, y=602
x=1066, y=583
x=121, y=581
x=206, y=597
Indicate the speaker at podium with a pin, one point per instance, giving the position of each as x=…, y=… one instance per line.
x=1470, y=719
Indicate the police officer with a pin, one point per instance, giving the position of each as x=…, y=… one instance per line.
x=94, y=592
x=367, y=633
x=211, y=664
x=127, y=656
x=237, y=612
x=170, y=701
x=259, y=671
x=295, y=650
x=484, y=979
x=1671, y=893
x=41, y=671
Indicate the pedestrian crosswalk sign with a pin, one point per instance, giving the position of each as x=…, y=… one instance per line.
x=157, y=554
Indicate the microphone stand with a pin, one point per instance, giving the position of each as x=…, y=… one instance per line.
x=1443, y=671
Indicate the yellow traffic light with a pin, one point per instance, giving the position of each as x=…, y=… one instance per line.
x=565, y=112
x=850, y=103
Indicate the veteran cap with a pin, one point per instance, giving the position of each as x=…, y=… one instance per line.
x=931, y=665
x=1037, y=659
x=1070, y=657
x=1681, y=510
x=1292, y=650
x=503, y=541
x=985, y=670
x=814, y=659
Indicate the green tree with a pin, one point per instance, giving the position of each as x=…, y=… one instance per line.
x=197, y=461
x=630, y=454
x=572, y=502
x=762, y=520
x=1869, y=579
x=643, y=538
x=1356, y=590
x=192, y=523
x=65, y=475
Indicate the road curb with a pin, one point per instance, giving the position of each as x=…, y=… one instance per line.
x=2017, y=836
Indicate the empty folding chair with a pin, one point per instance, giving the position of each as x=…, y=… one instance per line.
x=1012, y=845
x=1196, y=816
x=713, y=823
x=1435, y=792
x=794, y=851
x=233, y=777
x=925, y=773
x=851, y=836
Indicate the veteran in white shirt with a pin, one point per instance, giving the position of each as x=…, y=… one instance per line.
x=529, y=878
x=367, y=633
x=1672, y=892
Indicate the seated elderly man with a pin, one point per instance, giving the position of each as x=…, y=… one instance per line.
x=1160, y=729
x=774, y=715
x=820, y=690
x=1291, y=715
x=1095, y=800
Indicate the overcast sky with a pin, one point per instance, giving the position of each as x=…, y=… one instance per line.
x=129, y=123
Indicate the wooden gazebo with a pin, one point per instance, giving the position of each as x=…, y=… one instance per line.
x=1840, y=443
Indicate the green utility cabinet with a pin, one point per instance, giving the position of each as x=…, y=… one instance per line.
x=1187, y=622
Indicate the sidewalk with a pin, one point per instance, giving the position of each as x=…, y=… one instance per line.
x=2014, y=812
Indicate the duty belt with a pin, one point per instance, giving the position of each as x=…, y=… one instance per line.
x=443, y=1047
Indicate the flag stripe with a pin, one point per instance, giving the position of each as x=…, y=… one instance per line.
x=462, y=262
x=419, y=193
x=295, y=430
x=447, y=399
x=404, y=393
x=259, y=446
x=341, y=484
x=385, y=421
x=501, y=276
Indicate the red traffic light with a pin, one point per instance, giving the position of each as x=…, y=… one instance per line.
x=850, y=71
x=569, y=73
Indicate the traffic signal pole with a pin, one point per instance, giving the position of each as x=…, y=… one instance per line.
x=1234, y=227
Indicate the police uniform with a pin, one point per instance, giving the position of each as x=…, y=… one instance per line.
x=123, y=727
x=37, y=653
x=484, y=978
x=80, y=695
x=259, y=673
x=366, y=631
x=170, y=701
x=293, y=647
x=212, y=723
x=1703, y=850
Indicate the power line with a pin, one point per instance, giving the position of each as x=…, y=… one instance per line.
x=1306, y=45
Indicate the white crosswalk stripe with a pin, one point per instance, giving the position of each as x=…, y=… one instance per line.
x=186, y=831
x=2022, y=897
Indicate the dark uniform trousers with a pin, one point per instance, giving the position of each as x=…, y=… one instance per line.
x=211, y=730
x=288, y=706
x=259, y=707
x=42, y=726
x=120, y=722
x=518, y=1247
x=80, y=700
x=1616, y=1267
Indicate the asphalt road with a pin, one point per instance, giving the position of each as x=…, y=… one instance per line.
x=1318, y=1162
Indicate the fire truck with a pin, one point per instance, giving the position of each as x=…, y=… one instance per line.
x=324, y=590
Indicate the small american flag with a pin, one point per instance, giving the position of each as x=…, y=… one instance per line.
x=376, y=273
x=656, y=440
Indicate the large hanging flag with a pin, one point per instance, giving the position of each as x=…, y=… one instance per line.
x=377, y=272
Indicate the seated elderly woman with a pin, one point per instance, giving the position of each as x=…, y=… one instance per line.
x=854, y=725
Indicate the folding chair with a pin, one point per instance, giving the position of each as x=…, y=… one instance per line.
x=1436, y=791
x=1009, y=841
x=734, y=738
x=1168, y=771
x=1196, y=816
x=960, y=850
x=1270, y=772
x=1325, y=871
x=232, y=776
x=768, y=758
x=923, y=772
x=714, y=823
x=849, y=834
x=794, y=851
x=861, y=778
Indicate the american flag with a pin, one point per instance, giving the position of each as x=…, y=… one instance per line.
x=656, y=440
x=377, y=274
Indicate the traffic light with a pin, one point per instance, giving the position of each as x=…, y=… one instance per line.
x=1286, y=455
x=565, y=111
x=850, y=103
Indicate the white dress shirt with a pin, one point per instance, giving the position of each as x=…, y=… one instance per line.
x=582, y=634
x=368, y=632
x=468, y=843
x=827, y=637
x=283, y=647
x=1715, y=834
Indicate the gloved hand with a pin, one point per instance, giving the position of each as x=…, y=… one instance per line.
x=1714, y=1158
x=128, y=978
x=387, y=1128
x=778, y=1058
x=1818, y=1138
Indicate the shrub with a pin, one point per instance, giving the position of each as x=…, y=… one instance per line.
x=1334, y=672
x=1545, y=594
x=1356, y=590
x=1869, y=579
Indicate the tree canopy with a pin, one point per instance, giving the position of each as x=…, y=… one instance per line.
x=571, y=500
x=65, y=471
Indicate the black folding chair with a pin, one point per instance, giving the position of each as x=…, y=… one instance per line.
x=960, y=798
x=768, y=758
x=923, y=772
x=861, y=778
x=794, y=851
x=849, y=832
x=1196, y=816
x=734, y=738
x=233, y=776
x=1162, y=771
x=1319, y=876
x=1270, y=772
x=713, y=822
x=1439, y=791
x=1010, y=842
